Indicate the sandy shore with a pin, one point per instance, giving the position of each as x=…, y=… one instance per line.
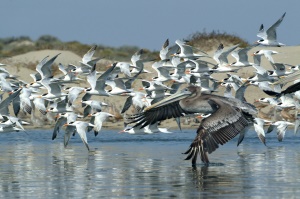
x=287, y=55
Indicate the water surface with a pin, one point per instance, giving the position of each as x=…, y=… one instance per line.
x=139, y=166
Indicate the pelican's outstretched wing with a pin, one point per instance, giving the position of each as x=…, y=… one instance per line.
x=224, y=124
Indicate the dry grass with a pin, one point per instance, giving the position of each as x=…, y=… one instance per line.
x=210, y=41
x=202, y=40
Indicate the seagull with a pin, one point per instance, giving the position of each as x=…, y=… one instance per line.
x=9, y=128
x=97, y=120
x=86, y=64
x=287, y=101
x=220, y=56
x=12, y=121
x=81, y=128
x=54, y=89
x=73, y=93
x=157, y=94
x=87, y=58
x=261, y=75
x=279, y=70
x=153, y=128
x=227, y=118
x=163, y=74
x=269, y=37
x=117, y=87
x=233, y=80
x=241, y=57
x=92, y=106
x=295, y=68
x=44, y=68
x=259, y=129
x=97, y=84
x=164, y=52
x=294, y=88
x=63, y=118
x=4, y=110
x=200, y=66
x=39, y=103
x=69, y=76
x=269, y=100
x=186, y=51
x=25, y=102
x=267, y=53
x=281, y=127
x=60, y=107
x=133, y=130
x=153, y=86
x=134, y=99
x=124, y=67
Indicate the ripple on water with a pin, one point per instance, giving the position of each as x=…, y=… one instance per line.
x=145, y=166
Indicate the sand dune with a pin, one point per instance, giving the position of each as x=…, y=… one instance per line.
x=287, y=54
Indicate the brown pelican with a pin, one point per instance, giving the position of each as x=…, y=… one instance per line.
x=229, y=117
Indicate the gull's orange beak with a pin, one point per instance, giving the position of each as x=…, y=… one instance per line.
x=108, y=66
x=122, y=131
x=199, y=116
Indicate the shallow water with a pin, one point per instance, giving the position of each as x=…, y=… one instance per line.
x=145, y=166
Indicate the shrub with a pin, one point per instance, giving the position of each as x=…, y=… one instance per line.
x=210, y=41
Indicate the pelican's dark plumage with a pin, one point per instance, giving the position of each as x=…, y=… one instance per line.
x=229, y=117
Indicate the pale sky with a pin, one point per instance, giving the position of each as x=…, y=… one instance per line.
x=146, y=24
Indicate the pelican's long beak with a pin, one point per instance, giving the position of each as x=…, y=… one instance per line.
x=173, y=98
